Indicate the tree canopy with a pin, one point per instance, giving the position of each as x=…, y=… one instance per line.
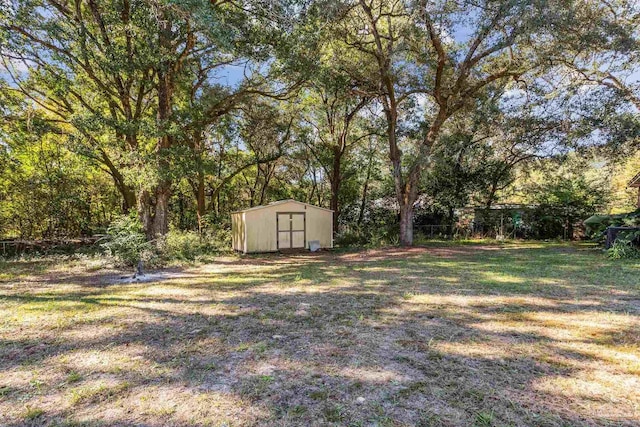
x=183, y=111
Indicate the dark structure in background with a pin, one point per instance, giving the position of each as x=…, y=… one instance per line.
x=522, y=221
x=613, y=232
x=609, y=228
x=501, y=221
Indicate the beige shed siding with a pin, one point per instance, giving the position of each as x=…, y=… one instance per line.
x=261, y=229
x=238, y=236
x=320, y=227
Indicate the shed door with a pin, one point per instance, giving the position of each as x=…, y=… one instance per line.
x=291, y=230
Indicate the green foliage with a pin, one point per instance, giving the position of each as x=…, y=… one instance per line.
x=126, y=241
x=597, y=224
x=360, y=237
x=190, y=245
x=187, y=110
x=622, y=248
x=565, y=191
x=628, y=236
x=379, y=225
x=182, y=245
x=46, y=191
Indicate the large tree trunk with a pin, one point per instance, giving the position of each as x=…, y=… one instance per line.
x=408, y=193
x=161, y=213
x=333, y=204
x=405, y=191
x=160, y=224
x=406, y=224
x=165, y=72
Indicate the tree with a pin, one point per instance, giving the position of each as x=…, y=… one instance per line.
x=332, y=109
x=267, y=134
x=596, y=70
x=567, y=193
x=90, y=64
x=45, y=189
x=409, y=50
x=123, y=75
x=460, y=96
x=623, y=198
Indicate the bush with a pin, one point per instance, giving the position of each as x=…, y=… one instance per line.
x=190, y=245
x=623, y=249
x=379, y=226
x=597, y=224
x=127, y=242
x=182, y=245
x=219, y=239
x=351, y=238
x=368, y=236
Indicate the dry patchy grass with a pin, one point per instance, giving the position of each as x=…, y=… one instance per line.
x=532, y=334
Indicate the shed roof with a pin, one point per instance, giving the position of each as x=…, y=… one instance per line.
x=280, y=202
x=635, y=181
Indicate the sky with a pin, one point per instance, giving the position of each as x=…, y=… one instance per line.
x=231, y=75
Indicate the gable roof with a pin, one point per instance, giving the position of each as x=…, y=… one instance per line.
x=280, y=202
x=635, y=181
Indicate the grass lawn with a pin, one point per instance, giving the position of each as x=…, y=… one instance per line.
x=514, y=335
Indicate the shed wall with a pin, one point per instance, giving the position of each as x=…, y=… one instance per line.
x=238, y=228
x=261, y=228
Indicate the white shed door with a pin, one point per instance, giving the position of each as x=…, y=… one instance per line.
x=291, y=230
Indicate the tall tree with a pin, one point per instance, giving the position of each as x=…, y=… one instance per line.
x=89, y=64
x=412, y=49
x=333, y=111
x=121, y=73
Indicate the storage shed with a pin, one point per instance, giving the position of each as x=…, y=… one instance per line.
x=281, y=225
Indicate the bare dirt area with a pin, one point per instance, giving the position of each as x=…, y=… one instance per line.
x=454, y=335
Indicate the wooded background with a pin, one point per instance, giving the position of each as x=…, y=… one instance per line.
x=389, y=112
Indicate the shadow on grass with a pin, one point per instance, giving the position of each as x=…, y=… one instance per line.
x=431, y=337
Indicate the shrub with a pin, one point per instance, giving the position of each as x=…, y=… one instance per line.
x=623, y=249
x=379, y=226
x=354, y=237
x=127, y=242
x=189, y=245
x=597, y=224
x=219, y=239
x=383, y=235
x=182, y=245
